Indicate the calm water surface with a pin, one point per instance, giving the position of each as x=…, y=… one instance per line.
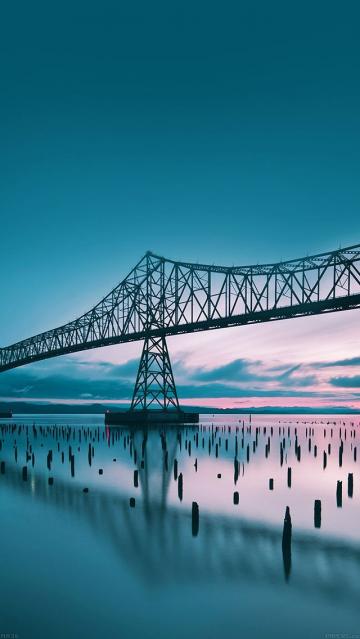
x=87, y=564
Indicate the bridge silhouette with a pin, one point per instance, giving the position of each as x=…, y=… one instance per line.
x=161, y=297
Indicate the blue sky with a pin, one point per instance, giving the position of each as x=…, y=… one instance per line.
x=217, y=133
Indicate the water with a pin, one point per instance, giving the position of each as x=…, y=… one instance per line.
x=86, y=564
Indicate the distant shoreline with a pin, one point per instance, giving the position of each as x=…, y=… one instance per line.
x=28, y=408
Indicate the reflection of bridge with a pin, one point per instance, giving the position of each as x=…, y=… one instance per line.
x=161, y=297
x=156, y=539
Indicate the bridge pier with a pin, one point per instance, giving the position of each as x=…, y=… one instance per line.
x=155, y=398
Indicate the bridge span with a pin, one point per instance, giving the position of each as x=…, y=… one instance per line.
x=162, y=297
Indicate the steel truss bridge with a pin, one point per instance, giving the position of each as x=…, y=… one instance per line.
x=162, y=297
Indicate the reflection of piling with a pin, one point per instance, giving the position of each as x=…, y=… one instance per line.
x=236, y=498
x=271, y=484
x=2, y=468
x=236, y=470
x=24, y=473
x=180, y=487
x=339, y=494
x=289, y=477
x=350, y=484
x=195, y=519
x=175, y=469
x=324, y=460
x=317, y=513
x=287, y=530
x=136, y=478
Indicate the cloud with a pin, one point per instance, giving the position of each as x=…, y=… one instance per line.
x=70, y=378
x=225, y=390
x=352, y=361
x=242, y=371
x=346, y=382
x=237, y=370
x=26, y=385
x=125, y=371
x=287, y=378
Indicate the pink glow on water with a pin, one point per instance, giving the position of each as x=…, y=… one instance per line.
x=277, y=402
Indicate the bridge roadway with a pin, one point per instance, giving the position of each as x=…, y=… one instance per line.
x=156, y=539
x=162, y=297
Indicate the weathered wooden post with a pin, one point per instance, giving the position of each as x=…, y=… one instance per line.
x=317, y=513
x=339, y=494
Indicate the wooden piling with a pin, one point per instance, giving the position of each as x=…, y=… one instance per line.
x=317, y=513
x=339, y=494
x=289, y=477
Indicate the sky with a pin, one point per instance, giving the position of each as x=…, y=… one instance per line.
x=220, y=133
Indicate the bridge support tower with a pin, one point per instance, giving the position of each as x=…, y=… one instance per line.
x=155, y=386
x=155, y=398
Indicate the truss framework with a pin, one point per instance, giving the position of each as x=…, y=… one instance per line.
x=163, y=297
x=155, y=386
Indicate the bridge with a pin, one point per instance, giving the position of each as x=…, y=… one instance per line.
x=162, y=297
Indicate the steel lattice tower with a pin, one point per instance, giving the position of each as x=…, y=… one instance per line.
x=155, y=386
